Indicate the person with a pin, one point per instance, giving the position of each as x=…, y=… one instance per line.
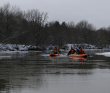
x=81, y=51
x=72, y=51
x=56, y=50
x=77, y=51
x=53, y=51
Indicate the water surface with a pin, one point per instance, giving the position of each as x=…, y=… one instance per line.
x=36, y=72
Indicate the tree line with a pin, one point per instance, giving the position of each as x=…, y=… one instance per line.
x=32, y=28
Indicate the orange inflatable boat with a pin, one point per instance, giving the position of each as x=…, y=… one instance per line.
x=78, y=55
x=54, y=54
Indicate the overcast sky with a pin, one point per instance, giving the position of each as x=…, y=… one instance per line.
x=96, y=12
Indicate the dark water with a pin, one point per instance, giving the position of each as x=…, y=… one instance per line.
x=36, y=72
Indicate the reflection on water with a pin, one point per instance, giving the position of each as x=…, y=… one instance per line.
x=31, y=72
x=71, y=60
x=79, y=60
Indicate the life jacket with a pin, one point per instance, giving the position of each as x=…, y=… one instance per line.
x=81, y=51
x=57, y=49
x=72, y=51
x=54, y=50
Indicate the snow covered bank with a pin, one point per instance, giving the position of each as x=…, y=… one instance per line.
x=16, y=47
x=84, y=46
x=107, y=54
x=13, y=47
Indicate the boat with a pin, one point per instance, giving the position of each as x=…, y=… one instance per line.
x=54, y=54
x=79, y=58
x=77, y=55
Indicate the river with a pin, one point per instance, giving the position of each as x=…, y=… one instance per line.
x=36, y=72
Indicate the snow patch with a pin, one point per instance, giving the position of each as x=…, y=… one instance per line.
x=13, y=47
x=107, y=54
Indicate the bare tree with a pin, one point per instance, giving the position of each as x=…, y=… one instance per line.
x=84, y=28
x=37, y=22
